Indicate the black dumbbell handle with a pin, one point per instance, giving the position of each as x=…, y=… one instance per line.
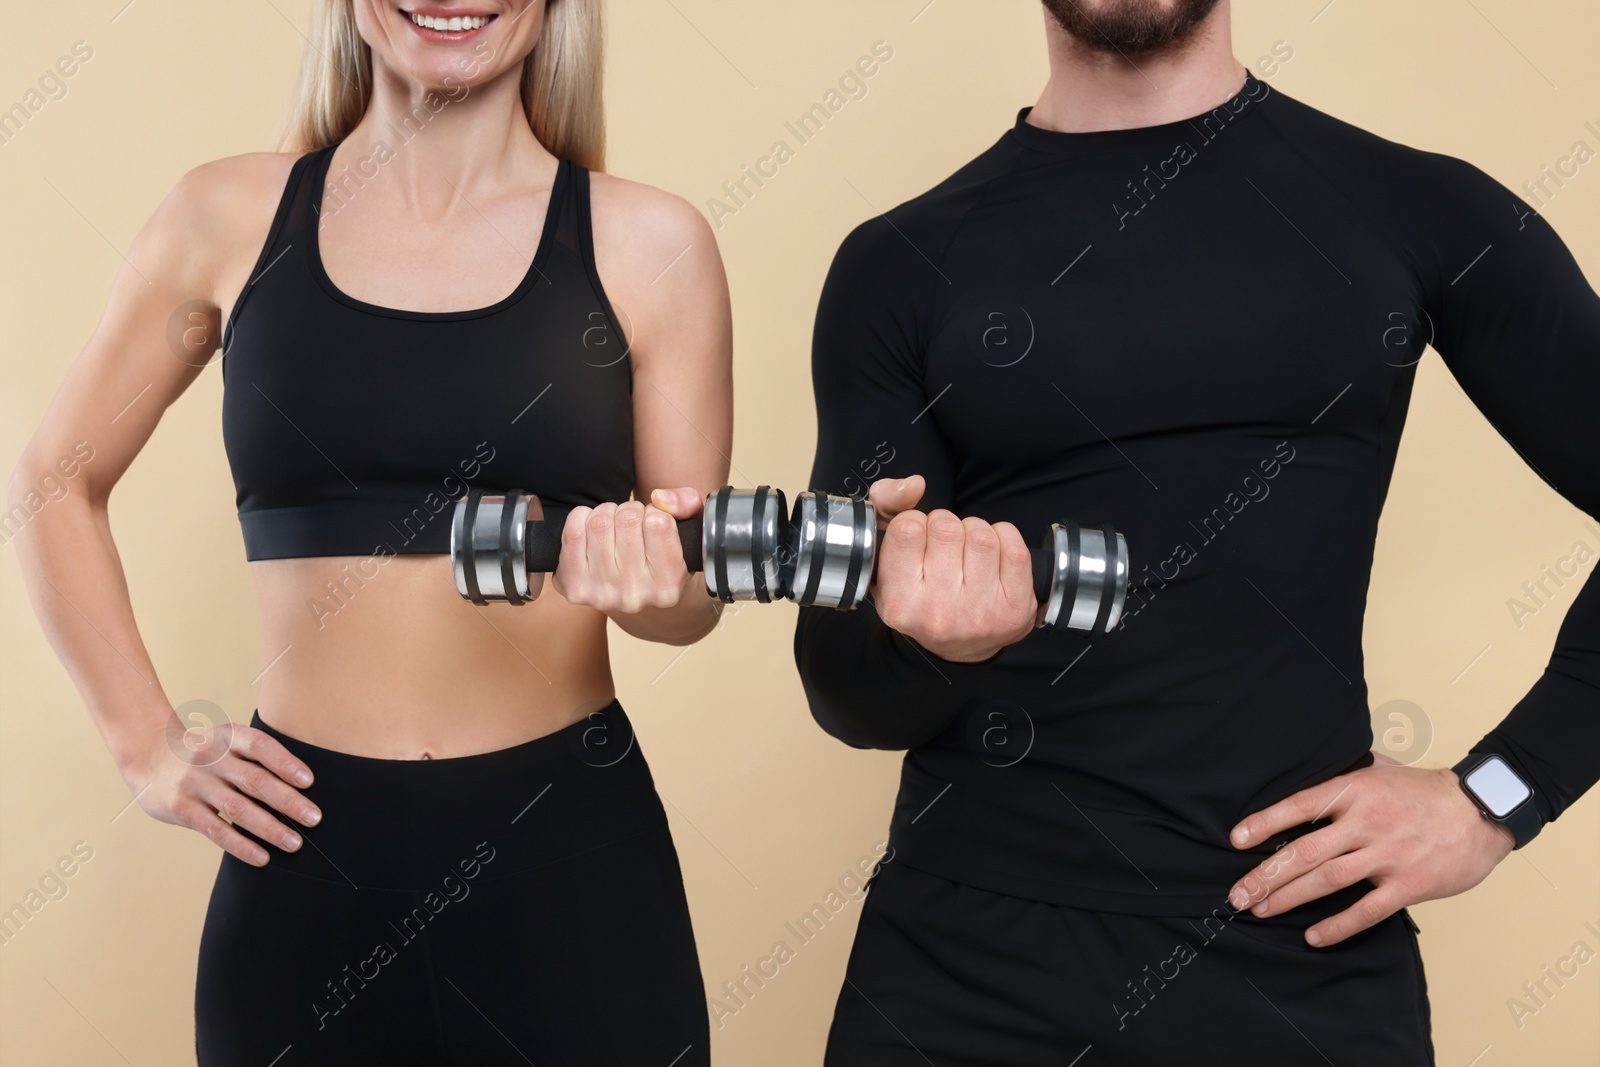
x=544, y=541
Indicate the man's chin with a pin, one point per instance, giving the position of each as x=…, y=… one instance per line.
x=1131, y=27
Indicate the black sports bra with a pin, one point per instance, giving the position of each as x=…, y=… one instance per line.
x=351, y=428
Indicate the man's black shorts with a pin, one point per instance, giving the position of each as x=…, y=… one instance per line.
x=946, y=974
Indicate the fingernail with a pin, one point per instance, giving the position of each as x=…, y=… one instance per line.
x=1260, y=909
x=259, y=858
x=1238, y=898
x=901, y=484
x=303, y=777
x=293, y=841
x=1313, y=937
x=312, y=817
x=1241, y=835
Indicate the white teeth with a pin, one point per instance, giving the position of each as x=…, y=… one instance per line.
x=455, y=24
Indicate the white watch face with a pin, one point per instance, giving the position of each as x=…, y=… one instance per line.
x=1497, y=786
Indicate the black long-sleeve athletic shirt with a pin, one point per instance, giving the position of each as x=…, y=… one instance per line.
x=1205, y=332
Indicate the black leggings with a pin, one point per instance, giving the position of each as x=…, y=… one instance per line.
x=518, y=906
x=948, y=974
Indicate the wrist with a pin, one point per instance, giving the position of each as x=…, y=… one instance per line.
x=131, y=747
x=972, y=651
x=1476, y=823
x=1500, y=793
x=693, y=616
x=963, y=652
x=703, y=612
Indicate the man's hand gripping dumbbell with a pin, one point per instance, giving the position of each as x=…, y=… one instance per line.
x=961, y=588
x=964, y=588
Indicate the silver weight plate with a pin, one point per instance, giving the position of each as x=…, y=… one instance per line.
x=488, y=547
x=743, y=544
x=835, y=538
x=1085, y=562
x=1119, y=575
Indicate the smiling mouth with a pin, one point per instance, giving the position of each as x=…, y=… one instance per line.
x=441, y=26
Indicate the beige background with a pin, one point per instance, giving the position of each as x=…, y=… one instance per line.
x=768, y=811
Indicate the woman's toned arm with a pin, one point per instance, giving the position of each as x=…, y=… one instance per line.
x=662, y=272
x=106, y=408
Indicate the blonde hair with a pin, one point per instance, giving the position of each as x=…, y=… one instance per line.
x=561, y=81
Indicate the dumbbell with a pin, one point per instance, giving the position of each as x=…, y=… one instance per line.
x=1080, y=573
x=822, y=554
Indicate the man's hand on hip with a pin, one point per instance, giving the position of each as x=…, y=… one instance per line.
x=1413, y=833
x=960, y=588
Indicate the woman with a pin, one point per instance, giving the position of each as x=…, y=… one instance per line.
x=442, y=844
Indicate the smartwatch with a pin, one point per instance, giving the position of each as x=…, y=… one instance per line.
x=1502, y=794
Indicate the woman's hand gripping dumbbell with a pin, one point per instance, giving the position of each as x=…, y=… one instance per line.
x=963, y=597
x=614, y=557
x=628, y=558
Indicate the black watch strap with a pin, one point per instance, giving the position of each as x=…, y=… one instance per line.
x=1523, y=821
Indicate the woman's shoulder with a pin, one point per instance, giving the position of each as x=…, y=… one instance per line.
x=213, y=220
x=234, y=185
x=658, y=260
x=642, y=222
x=225, y=203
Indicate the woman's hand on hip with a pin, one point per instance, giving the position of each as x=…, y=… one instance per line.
x=194, y=778
x=624, y=558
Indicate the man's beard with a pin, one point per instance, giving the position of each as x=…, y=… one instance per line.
x=1131, y=27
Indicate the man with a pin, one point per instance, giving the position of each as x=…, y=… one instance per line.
x=1178, y=300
